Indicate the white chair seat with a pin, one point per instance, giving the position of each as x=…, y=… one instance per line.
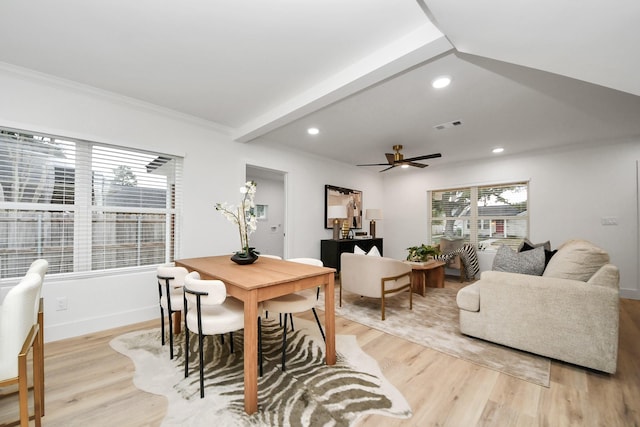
x=218, y=319
x=292, y=303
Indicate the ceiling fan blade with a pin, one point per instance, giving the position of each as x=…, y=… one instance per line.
x=390, y=158
x=390, y=167
x=375, y=164
x=428, y=156
x=418, y=165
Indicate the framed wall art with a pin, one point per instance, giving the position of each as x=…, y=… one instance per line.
x=335, y=198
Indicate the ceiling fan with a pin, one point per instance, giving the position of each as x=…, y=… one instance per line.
x=397, y=159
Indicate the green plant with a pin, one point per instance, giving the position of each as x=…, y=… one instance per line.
x=421, y=253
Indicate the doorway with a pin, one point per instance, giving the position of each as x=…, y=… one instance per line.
x=269, y=237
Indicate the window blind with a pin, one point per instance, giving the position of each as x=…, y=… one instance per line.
x=487, y=216
x=84, y=205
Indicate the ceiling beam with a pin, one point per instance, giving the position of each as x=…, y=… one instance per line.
x=417, y=47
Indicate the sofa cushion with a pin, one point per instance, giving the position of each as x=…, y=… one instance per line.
x=528, y=262
x=576, y=260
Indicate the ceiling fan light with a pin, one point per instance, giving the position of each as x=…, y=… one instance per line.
x=441, y=82
x=313, y=131
x=497, y=150
x=405, y=166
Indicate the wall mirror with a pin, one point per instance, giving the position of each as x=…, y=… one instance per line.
x=351, y=199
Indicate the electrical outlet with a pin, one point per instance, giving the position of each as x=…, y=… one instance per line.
x=62, y=303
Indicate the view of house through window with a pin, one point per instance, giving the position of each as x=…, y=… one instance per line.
x=84, y=206
x=487, y=216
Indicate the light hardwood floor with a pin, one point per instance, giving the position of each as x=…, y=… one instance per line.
x=89, y=384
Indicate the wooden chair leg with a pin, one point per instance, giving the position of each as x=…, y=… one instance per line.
x=38, y=373
x=23, y=390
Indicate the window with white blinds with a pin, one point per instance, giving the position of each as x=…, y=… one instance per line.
x=487, y=216
x=84, y=206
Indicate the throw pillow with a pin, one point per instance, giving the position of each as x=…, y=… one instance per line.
x=548, y=253
x=469, y=260
x=576, y=260
x=358, y=250
x=526, y=242
x=374, y=251
x=529, y=262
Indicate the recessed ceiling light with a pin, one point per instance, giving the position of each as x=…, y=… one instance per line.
x=313, y=131
x=441, y=82
x=497, y=150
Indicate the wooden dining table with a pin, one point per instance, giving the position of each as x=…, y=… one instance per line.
x=265, y=279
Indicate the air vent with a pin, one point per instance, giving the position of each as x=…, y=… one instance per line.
x=448, y=125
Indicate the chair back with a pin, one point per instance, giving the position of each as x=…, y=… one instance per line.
x=39, y=267
x=361, y=274
x=210, y=292
x=310, y=261
x=16, y=320
x=170, y=283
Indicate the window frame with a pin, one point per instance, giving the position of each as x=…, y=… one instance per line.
x=83, y=210
x=472, y=220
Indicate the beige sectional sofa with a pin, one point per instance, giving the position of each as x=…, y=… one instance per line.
x=570, y=313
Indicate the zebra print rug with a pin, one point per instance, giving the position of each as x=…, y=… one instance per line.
x=308, y=393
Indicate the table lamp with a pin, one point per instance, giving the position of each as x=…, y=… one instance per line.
x=372, y=215
x=337, y=213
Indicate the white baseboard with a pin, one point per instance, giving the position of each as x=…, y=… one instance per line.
x=62, y=331
x=630, y=294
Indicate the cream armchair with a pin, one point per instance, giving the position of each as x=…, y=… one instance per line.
x=374, y=277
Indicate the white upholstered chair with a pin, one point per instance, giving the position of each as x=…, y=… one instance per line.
x=170, y=283
x=40, y=267
x=297, y=302
x=18, y=334
x=374, y=277
x=208, y=311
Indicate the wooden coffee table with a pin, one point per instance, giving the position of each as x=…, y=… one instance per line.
x=425, y=275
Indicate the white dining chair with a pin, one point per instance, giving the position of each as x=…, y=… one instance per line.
x=19, y=334
x=40, y=267
x=208, y=311
x=297, y=302
x=170, y=283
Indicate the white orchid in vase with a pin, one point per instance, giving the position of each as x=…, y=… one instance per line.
x=244, y=217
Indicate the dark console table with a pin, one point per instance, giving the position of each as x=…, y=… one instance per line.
x=330, y=249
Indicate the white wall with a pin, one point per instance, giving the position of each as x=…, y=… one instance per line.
x=570, y=191
x=214, y=169
x=269, y=235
